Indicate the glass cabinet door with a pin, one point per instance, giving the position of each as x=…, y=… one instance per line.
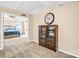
x=51, y=37
x=42, y=34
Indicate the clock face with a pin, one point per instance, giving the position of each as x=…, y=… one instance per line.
x=49, y=18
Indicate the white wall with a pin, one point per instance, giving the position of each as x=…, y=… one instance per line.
x=1, y=32
x=67, y=18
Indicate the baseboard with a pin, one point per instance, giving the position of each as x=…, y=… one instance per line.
x=68, y=53
x=31, y=40
x=35, y=41
x=1, y=48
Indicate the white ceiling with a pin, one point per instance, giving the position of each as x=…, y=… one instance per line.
x=30, y=7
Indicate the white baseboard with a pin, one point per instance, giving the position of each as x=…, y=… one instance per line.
x=35, y=41
x=1, y=48
x=68, y=53
x=30, y=40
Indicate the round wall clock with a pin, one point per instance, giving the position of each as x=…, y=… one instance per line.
x=49, y=18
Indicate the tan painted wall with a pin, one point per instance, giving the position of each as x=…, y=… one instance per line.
x=67, y=17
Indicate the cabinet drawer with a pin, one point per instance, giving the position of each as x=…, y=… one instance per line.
x=42, y=43
x=50, y=46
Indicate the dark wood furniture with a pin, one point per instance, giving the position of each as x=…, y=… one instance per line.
x=11, y=34
x=48, y=36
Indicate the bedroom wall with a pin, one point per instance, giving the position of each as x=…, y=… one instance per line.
x=67, y=18
x=16, y=12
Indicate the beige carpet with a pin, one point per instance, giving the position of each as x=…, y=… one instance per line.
x=23, y=49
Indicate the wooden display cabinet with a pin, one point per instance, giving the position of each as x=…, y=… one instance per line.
x=48, y=36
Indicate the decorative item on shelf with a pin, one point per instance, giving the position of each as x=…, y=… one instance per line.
x=49, y=18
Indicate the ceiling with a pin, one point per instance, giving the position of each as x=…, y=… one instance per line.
x=31, y=7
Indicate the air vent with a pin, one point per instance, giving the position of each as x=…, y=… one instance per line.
x=23, y=15
x=12, y=16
